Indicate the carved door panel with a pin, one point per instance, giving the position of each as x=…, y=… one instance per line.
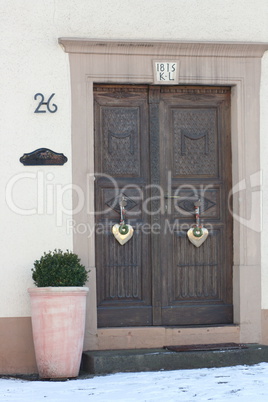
x=122, y=165
x=163, y=148
x=197, y=283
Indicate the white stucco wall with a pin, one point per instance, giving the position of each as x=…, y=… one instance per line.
x=31, y=61
x=264, y=175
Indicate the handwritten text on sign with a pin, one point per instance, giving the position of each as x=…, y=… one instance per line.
x=166, y=72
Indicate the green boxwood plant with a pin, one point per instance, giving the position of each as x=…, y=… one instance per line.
x=59, y=268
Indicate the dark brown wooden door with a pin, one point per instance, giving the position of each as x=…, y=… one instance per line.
x=164, y=148
x=121, y=153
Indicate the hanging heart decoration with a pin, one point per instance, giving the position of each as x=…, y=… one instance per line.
x=197, y=236
x=122, y=233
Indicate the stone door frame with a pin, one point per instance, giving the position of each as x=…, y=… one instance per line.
x=237, y=65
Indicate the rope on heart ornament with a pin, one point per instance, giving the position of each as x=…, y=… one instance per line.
x=198, y=234
x=122, y=232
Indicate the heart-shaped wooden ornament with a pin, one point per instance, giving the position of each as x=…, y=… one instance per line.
x=197, y=241
x=122, y=238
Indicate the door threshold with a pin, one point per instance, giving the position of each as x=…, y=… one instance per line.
x=201, y=326
x=158, y=337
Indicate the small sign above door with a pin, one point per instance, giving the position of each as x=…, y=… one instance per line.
x=166, y=72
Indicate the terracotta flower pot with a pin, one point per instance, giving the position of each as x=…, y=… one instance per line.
x=58, y=322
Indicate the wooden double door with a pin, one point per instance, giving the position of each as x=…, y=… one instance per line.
x=164, y=148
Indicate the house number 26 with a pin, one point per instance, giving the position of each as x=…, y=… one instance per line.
x=51, y=108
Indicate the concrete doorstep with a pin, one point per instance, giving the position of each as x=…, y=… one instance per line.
x=135, y=360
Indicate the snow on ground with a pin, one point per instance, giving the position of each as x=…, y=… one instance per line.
x=239, y=383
